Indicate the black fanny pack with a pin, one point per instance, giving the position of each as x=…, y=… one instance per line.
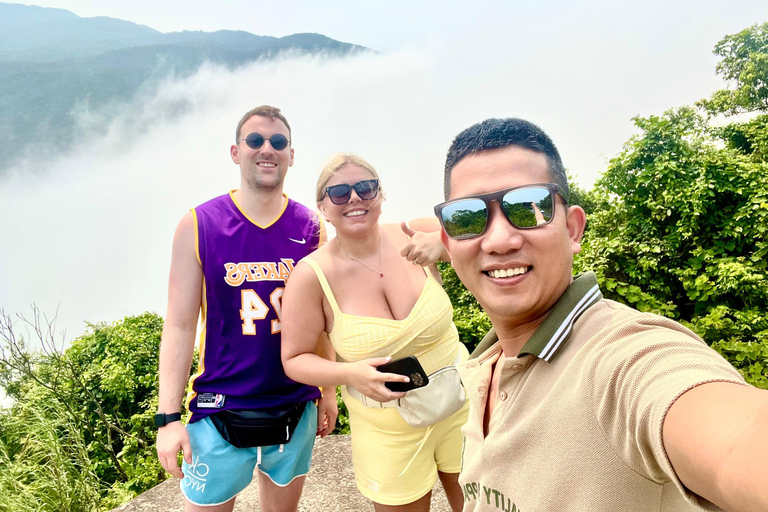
x=246, y=428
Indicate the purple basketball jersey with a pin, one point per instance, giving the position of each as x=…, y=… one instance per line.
x=245, y=267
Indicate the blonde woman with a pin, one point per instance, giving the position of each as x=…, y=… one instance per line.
x=375, y=305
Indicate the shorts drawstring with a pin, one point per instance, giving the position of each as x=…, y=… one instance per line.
x=421, y=445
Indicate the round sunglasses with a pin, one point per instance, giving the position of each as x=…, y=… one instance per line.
x=340, y=194
x=255, y=140
x=526, y=207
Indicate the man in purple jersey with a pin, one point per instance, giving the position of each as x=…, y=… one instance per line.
x=231, y=258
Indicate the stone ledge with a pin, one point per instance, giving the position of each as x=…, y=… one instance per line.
x=330, y=487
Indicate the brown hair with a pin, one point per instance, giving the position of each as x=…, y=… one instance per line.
x=264, y=111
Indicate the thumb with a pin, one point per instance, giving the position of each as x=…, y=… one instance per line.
x=407, y=229
x=186, y=449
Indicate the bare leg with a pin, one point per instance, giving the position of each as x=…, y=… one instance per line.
x=452, y=488
x=420, y=505
x=273, y=498
x=224, y=507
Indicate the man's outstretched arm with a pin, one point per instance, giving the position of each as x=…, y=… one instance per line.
x=716, y=437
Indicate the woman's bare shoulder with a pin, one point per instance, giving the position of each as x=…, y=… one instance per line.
x=322, y=257
x=394, y=232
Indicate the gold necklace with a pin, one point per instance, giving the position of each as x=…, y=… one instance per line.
x=381, y=274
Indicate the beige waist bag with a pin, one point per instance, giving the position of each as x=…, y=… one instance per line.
x=422, y=407
x=443, y=396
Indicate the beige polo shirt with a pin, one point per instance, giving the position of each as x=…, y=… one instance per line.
x=577, y=422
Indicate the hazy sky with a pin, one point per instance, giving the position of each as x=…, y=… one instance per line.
x=92, y=229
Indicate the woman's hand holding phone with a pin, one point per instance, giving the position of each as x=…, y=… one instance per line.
x=408, y=366
x=364, y=377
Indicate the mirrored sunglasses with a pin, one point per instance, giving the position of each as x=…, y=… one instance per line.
x=256, y=140
x=340, y=194
x=526, y=207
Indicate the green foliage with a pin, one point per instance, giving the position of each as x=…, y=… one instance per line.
x=750, y=358
x=745, y=65
x=680, y=225
x=119, y=363
x=681, y=229
x=342, y=423
x=44, y=461
x=99, y=397
x=749, y=138
x=587, y=199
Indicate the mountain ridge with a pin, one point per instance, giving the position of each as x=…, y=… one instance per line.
x=53, y=61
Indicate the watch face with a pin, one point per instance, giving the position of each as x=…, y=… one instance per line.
x=159, y=420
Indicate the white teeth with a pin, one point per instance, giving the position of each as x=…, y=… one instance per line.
x=508, y=272
x=267, y=164
x=355, y=213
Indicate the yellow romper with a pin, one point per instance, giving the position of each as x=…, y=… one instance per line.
x=396, y=464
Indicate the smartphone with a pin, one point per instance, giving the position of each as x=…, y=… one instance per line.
x=409, y=366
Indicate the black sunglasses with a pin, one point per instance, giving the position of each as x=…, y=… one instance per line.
x=340, y=194
x=256, y=140
x=526, y=207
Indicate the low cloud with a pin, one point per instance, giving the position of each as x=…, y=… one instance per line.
x=92, y=229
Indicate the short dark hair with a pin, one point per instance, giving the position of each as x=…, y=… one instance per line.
x=264, y=111
x=500, y=133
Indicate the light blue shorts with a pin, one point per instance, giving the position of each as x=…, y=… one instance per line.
x=219, y=471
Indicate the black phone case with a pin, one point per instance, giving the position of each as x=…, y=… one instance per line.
x=409, y=366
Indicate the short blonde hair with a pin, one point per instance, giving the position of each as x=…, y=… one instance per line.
x=336, y=162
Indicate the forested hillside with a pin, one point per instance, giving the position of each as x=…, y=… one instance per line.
x=56, y=66
x=680, y=219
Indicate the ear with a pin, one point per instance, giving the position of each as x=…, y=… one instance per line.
x=290, y=162
x=575, y=222
x=321, y=209
x=234, y=152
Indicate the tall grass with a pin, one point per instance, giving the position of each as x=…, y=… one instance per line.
x=44, y=462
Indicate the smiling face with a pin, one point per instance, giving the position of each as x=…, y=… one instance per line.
x=517, y=275
x=357, y=214
x=264, y=168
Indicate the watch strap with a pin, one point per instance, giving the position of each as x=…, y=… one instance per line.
x=162, y=419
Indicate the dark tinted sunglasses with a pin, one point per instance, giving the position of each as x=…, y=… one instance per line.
x=526, y=207
x=256, y=140
x=340, y=194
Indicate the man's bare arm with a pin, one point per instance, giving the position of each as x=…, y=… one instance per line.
x=178, y=342
x=716, y=436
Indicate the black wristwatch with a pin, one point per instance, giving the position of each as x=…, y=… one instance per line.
x=162, y=419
